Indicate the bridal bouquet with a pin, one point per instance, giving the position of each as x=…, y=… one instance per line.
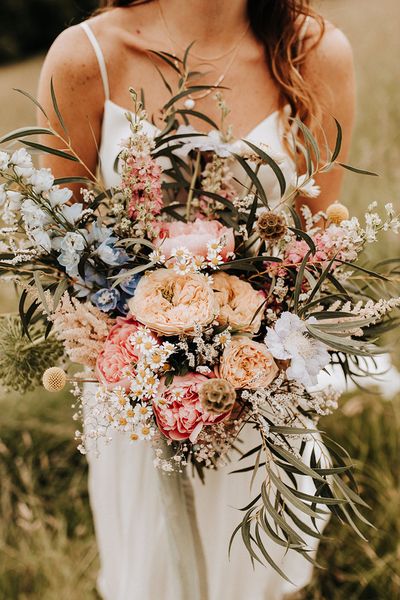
x=198, y=305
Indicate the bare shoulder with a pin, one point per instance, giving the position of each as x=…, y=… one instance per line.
x=330, y=50
x=72, y=56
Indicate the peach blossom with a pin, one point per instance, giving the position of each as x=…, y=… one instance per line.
x=238, y=302
x=194, y=237
x=247, y=364
x=179, y=414
x=173, y=304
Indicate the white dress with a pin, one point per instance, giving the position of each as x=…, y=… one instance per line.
x=137, y=561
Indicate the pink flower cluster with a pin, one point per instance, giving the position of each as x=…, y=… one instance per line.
x=142, y=179
x=179, y=413
x=328, y=243
x=118, y=354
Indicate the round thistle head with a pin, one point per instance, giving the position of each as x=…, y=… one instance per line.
x=217, y=396
x=270, y=226
x=337, y=213
x=54, y=379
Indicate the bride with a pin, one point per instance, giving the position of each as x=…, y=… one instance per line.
x=276, y=58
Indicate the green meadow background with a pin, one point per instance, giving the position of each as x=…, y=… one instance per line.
x=47, y=547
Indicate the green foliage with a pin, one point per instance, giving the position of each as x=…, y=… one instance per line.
x=358, y=569
x=23, y=360
x=46, y=535
x=28, y=26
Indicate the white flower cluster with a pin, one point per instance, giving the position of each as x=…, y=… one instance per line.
x=182, y=261
x=375, y=223
x=289, y=340
x=370, y=310
x=153, y=358
x=42, y=205
x=243, y=203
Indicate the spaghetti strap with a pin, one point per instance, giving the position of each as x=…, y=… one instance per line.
x=304, y=28
x=100, y=58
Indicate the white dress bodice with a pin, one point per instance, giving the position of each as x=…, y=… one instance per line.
x=269, y=131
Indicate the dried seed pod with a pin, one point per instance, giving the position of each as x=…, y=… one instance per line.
x=217, y=396
x=270, y=226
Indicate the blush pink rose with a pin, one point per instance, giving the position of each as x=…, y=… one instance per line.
x=179, y=413
x=194, y=236
x=118, y=354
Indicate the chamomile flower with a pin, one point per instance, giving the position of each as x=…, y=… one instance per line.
x=180, y=254
x=146, y=432
x=143, y=341
x=155, y=359
x=142, y=411
x=184, y=267
x=199, y=263
x=157, y=257
x=222, y=339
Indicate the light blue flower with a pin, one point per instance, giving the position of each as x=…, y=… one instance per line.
x=70, y=261
x=110, y=254
x=129, y=285
x=106, y=299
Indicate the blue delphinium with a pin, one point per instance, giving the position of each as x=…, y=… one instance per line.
x=129, y=285
x=106, y=299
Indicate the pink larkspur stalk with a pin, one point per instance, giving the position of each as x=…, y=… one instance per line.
x=141, y=182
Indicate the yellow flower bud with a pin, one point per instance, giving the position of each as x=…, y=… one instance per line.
x=337, y=213
x=54, y=379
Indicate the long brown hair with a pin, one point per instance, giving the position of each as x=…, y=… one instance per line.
x=277, y=24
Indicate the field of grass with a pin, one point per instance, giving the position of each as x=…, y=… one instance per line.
x=47, y=546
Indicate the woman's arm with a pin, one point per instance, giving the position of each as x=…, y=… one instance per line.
x=72, y=65
x=329, y=70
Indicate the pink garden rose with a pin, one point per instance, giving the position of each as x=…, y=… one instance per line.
x=194, y=237
x=179, y=414
x=118, y=354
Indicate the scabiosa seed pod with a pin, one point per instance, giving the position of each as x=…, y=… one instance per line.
x=337, y=213
x=217, y=396
x=270, y=226
x=54, y=379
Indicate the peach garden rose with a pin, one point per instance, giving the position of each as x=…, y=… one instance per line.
x=173, y=304
x=247, y=364
x=238, y=302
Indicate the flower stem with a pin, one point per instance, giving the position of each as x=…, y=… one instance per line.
x=192, y=185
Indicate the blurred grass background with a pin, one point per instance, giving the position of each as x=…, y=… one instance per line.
x=46, y=534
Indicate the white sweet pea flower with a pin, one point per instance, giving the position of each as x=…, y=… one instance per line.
x=41, y=239
x=72, y=242
x=211, y=141
x=306, y=186
x=22, y=162
x=3, y=193
x=34, y=217
x=14, y=200
x=4, y=161
x=289, y=340
x=72, y=213
x=58, y=196
x=42, y=180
